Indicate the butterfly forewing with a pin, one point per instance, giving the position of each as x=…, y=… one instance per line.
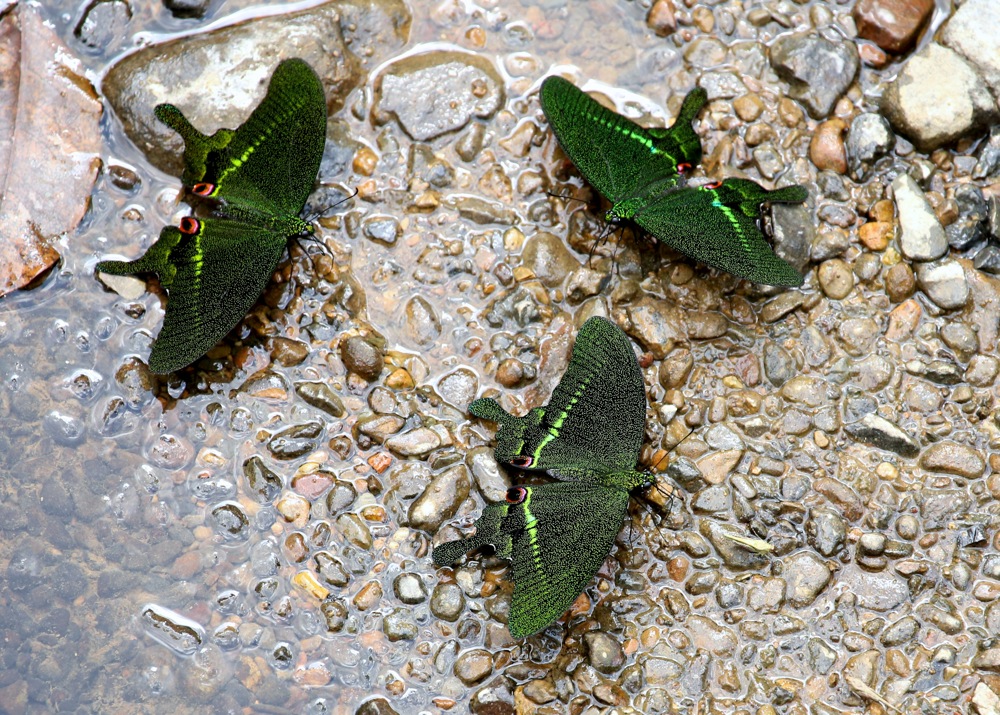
x=220, y=271
x=595, y=421
x=613, y=153
x=717, y=225
x=271, y=161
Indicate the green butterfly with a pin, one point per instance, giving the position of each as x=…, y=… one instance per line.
x=259, y=177
x=640, y=171
x=589, y=435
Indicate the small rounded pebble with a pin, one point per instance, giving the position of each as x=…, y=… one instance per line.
x=836, y=278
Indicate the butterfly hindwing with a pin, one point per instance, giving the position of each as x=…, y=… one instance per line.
x=556, y=536
x=717, y=225
x=269, y=164
x=595, y=421
x=613, y=153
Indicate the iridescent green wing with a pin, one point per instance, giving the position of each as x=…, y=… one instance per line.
x=717, y=224
x=556, y=536
x=613, y=153
x=594, y=423
x=269, y=164
x=213, y=270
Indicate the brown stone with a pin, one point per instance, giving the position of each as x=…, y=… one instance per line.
x=893, y=25
x=875, y=235
x=826, y=150
x=661, y=18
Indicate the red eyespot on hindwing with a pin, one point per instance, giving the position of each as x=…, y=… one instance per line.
x=522, y=461
x=203, y=189
x=516, y=495
x=190, y=225
x=713, y=185
x=683, y=167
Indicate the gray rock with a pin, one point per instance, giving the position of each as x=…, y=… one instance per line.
x=321, y=396
x=936, y=98
x=882, y=591
x=821, y=656
x=295, y=441
x=186, y=72
x=921, y=236
x=989, y=157
x=399, y=625
x=447, y=601
x=972, y=32
x=826, y=530
x=459, y=387
x=900, y=632
x=988, y=260
x=972, y=223
x=880, y=432
x=779, y=366
x=262, y=483
x=944, y=282
x=548, y=258
x=417, y=442
x=806, y=575
x=868, y=140
x=361, y=357
x=433, y=93
x=604, y=653
x=657, y=324
x=793, y=231
x=422, y=324
x=409, y=588
x=818, y=70
x=441, y=499
x=474, y=666
x=736, y=556
x=491, y=481
x=722, y=85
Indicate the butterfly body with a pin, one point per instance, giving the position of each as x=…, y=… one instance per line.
x=641, y=172
x=258, y=178
x=588, y=436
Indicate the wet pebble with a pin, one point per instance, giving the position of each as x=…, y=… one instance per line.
x=261, y=482
x=409, y=588
x=604, y=653
x=548, y=258
x=661, y=18
x=806, y=575
x=295, y=441
x=826, y=149
x=288, y=352
x=416, y=442
x=971, y=32
x=380, y=427
x=447, y=601
x=953, y=458
x=441, y=498
x=971, y=225
x=869, y=139
x=880, y=432
x=826, y=530
x=399, y=625
x=892, y=25
x=900, y=282
x=459, y=387
x=921, y=237
x=321, y=396
x=474, y=666
x=944, y=282
x=362, y=357
x=434, y=93
x=376, y=706
x=186, y=8
x=137, y=382
x=836, y=278
x=422, y=324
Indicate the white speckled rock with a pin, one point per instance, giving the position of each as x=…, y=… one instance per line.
x=938, y=97
x=922, y=238
x=972, y=32
x=944, y=283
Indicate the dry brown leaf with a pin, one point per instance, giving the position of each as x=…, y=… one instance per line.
x=49, y=143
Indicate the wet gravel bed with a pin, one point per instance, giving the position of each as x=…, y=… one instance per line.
x=254, y=535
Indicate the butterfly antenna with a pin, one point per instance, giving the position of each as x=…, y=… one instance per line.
x=319, y=214
x=667, y=491
x=567, y=197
